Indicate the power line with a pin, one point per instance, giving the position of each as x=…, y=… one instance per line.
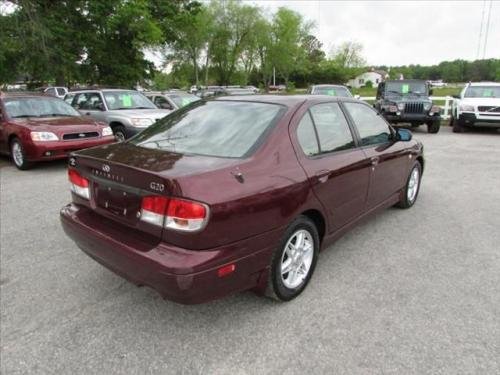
x=487, y=30
x=480, y=31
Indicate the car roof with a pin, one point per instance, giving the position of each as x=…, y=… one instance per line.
x=99, y=89
x=20, y=94
x=329, y=85
x=484, y=84
x=406, y=80
x=287, y=100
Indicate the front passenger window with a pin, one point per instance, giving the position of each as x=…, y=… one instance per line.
x=371, y=127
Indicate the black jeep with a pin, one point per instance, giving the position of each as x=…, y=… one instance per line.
x=407, y=101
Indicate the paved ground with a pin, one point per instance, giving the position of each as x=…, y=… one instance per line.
x=408, y=292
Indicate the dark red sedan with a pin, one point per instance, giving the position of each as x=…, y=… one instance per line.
x=238, y=193
x=37, y=128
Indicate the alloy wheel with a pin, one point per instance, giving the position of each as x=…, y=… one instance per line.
x=413, y=185
x=17, y=154
x=297, y=259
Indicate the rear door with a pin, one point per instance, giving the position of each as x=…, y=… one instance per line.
x=389, y=159
x=337, y=168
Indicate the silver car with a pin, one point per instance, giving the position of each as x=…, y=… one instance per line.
x=331, y=90
x=126, y=111
x=171, y=100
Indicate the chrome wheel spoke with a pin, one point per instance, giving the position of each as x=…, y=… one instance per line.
x=286, y=267
x=297, y=258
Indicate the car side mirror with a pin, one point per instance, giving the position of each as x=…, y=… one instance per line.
x=456, y=96
x=357, y=96
x=403, y=135
x=431, y=91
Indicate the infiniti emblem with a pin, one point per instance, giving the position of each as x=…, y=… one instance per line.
x=106, y=168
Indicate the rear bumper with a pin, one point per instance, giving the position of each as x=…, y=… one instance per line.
x=411, y=117
x=471, y=119
x=61, y=149
x=180, y=275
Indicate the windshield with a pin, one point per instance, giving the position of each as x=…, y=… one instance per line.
x=127, y=100
x=332, y=91
x=38, y=107
x=406, y=88
x=482, y=92
x=218, y=128
x=182, y=100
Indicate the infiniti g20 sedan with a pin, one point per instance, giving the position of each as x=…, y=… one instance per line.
x=238, y=193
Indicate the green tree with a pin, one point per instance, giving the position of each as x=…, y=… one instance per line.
x=234, y=24
x=288, y=31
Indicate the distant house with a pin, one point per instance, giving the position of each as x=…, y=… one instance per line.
x=375, y=76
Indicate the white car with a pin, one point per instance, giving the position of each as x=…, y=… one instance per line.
x=478, y=105
x=58, y=92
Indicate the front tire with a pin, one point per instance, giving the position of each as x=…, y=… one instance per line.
x=457, y=126
x=18, y=155
x=410, y=192
x=433, y=127
x=294, y=260
x=120, y=133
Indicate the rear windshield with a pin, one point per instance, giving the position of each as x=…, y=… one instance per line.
x=482, y=92
x=218, y=128
x=332, y=91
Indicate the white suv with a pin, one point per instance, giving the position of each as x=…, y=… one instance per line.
x=478, y=105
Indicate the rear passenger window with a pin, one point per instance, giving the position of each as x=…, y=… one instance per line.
x=333, y=131
x=307, y=136
x=371, y=127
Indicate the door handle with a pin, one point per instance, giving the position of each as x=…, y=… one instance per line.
x=322, y=175
x=374, y=160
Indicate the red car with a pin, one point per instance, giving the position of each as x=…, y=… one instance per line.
x=36, y=128
x=238, y=193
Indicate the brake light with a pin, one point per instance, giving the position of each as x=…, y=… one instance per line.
x=186, y=215
x=173, y=213
x=79, y=184
x=153, y=209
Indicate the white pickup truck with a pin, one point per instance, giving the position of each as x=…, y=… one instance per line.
x=478, y=105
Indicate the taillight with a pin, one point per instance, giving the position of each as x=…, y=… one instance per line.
x=153, y=209
x=173, y=213
x=186, y=215
x=79, y=184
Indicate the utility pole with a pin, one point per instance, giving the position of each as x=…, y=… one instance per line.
x=274, y=76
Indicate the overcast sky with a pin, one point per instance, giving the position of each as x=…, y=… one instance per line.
x=401, y=32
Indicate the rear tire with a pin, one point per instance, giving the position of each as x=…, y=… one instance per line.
x=412, y=187
x=433, y=127
x=294, y=260
x=120, y=133
x=18, y=155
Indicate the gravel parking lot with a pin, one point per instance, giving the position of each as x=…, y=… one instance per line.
x=407, y=292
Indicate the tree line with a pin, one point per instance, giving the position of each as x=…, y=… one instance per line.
x=221, y=42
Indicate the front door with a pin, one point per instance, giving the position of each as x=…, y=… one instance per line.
x=389, y=159
x=338, y=169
